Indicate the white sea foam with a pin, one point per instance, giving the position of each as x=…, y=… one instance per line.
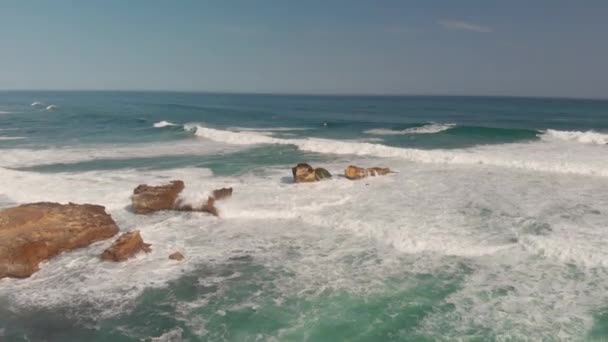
x=269, y=129
x=164, y=123
x=52, y=107
x=588, y=137
x=30, y=157
x=538, y=156
x=11, y=138
x=4, y=112
x=426, y=129
x=38, y=104
x=518, y=233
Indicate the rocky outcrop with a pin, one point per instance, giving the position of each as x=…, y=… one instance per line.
x=353, y=172
x=209, y=206
x=32, y=233
x=125, y=247
x=177, y=256
x=222, y=193
x=304, y=173
x=147, y=199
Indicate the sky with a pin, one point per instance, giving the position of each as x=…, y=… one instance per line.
x=556, y=48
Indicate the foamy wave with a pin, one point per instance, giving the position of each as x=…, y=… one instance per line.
x=269, y=129
x=38, y=104
x=15, y=158
x=588, y=137
x=11, y=138
x=52, y=107
x=426, y=129
x=534, y=157
x=164, y=123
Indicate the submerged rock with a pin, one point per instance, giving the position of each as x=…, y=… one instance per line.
x=176, y=256
x=36, y=232
x=353, y=172
x=304, y=173
x=147, y=199
x=125, y=247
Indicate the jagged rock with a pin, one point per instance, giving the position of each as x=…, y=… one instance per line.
x=353, y=172
x=147, y=199
x=304, y=173
x=125, y=247
x=36, y=232
x=222, y=193
x=176, y=256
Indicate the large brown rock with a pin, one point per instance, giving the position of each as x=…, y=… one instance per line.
x=304, y=173
x=353, y=172
x=147, y=199
x=36, y=232
x=125, y=247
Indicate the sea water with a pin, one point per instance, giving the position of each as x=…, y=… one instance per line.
x=494, y=226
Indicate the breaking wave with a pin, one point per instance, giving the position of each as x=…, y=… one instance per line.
x=426, y=129
x=588, y=137
x=163, y=123
x=557, y=158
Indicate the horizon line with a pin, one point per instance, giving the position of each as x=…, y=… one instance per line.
x=265, y=93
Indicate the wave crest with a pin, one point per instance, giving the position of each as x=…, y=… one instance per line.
x=581, y=160
x=588, y=137
x=164, y=123
x=426, y=129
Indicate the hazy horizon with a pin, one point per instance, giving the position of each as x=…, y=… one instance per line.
x=552, y=49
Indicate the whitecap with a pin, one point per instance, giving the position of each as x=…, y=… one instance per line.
x=588, y=137
x=535, y=156
x=426, y=129
x=164, y=123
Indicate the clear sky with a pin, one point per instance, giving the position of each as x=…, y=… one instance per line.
x=530, y=48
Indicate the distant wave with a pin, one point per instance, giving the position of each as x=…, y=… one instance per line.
x=52, y=107
x=164, y=123
x=12, y=138
x=38, y=104
x=269, y=129
x=588, y=137
x=426, y=129
x=4, y=112
x=527, y=156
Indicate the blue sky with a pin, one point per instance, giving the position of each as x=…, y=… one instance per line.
x=530, y=48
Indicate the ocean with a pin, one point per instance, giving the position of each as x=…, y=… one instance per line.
x=494, y=226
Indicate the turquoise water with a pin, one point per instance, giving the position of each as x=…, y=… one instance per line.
x=494, y=227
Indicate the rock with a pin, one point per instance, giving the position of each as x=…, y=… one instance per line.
x=222, y=193
x=36, y=232
x=304, y=173
x=378, y=171
x=176, y=256
x=353, y=172
x=125, y=247
x=147, y=199
x=321, y=173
